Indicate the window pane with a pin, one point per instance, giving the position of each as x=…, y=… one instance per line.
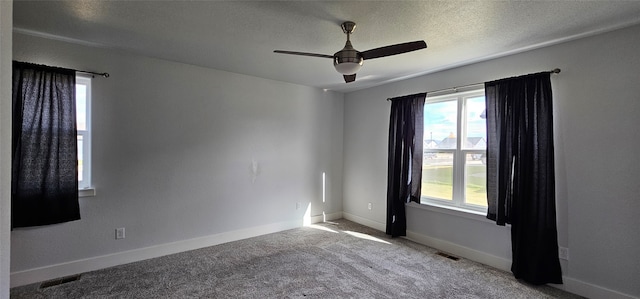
x=81, y=106
x=476, y=124
x=476, y=179
x=80, y=159
x=437, y=175
x=440, y=124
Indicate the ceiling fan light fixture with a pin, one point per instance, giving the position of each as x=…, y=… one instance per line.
x=348, y=68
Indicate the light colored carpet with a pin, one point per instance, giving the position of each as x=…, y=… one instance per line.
x=340, y=259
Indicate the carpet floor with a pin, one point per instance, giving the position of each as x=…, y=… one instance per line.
x=339, y=259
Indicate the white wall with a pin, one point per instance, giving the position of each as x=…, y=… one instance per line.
x=597, y=108
x=173, y=146
x=6, y=27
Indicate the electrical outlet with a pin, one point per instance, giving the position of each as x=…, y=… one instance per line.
x=369, y=206
x=563, y=253
x=119, y=233
x=297, y=206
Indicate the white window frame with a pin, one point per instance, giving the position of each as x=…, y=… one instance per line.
x=459, y=154
x=85, y=182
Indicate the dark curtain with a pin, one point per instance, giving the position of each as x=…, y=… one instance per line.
x=520, y=173
x=405, y=159
x=44, y=173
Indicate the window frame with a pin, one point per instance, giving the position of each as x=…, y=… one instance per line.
x=460, y=153
x=85, y=183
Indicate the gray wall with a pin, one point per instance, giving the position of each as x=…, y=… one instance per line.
x=173, y=146
x=6, y=26
x=597, y=108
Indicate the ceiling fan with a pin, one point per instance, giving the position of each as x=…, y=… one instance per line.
x=349, y=60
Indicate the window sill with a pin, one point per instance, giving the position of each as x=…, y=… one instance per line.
x=450, y=210
x=87, y=192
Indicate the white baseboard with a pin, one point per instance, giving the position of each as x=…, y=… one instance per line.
x=99, y=262
x=571, y=285
x=461, y=251
x=589, y=290
x=364, y=221
x=326, y=217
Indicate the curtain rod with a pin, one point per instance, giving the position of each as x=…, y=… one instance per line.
x=455, y=89
x=106, y=75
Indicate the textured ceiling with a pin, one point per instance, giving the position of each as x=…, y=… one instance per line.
x=240, y=36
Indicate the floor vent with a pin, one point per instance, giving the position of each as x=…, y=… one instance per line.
x=59, y=281
x=444, y=254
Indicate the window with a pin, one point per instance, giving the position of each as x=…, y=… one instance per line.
x=83, y=123
x=454, y=169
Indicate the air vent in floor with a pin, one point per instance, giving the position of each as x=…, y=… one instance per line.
x=59, y=281
x=444, y=254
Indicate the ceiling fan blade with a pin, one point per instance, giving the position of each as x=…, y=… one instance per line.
x=393, y=49
x=303, y=54
x=349, y=78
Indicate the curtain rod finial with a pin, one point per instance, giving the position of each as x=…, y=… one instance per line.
x=555, y=71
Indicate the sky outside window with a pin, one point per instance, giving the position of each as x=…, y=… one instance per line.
x=440, y=120
x=476, y=124
x=81, y=106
